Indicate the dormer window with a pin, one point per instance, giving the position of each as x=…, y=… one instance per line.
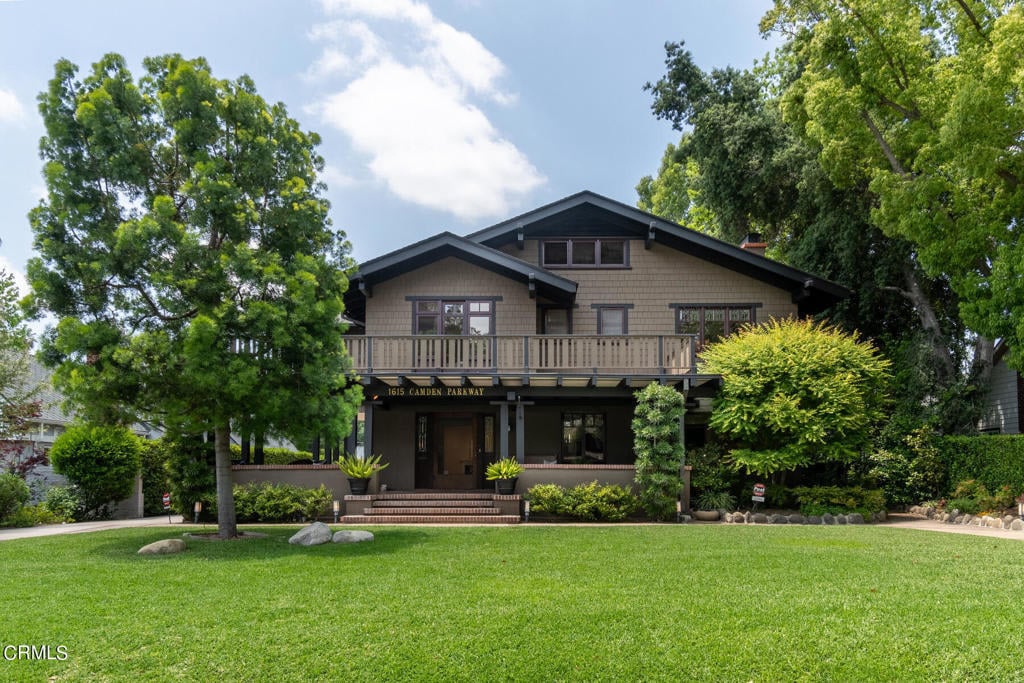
x=585, y=253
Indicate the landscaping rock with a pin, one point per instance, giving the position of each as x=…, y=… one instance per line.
x=352, y=536
x=759, y=518
x=967, y=519
x=1017, y=525
x=168, y=546
x=814, y=519
x=882, y=515
x=994, y=523
x=777, y=519
x=840, y=519
x=827, y=518
x=797, y=519
x=854, y=518
x=1008, y=520
x=316, y=533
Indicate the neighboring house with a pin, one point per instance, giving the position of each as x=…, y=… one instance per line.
x=1002, y=413
x=528, y=339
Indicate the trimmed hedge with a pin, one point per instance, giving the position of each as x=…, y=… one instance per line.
x=838, y=500
x=995, y=460
x=267, y=502
x=274, y=456
x=590, y=502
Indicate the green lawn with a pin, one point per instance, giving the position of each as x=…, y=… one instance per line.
x=672, y=603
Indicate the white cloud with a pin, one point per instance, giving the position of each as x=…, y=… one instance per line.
x=19, y=277
x=413, y=106
x=11, y=110
x=334, y=177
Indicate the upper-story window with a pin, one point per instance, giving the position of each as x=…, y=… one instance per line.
x=459, y=317
x=711, y=323
x=585, y=253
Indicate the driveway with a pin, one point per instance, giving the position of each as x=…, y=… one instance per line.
x=85, y=527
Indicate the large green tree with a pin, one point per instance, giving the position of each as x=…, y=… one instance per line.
x=186, y=250
x=921, y=99
x=739, y=167
x=18, y=403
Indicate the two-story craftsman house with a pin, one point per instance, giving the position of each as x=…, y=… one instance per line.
x=529, y=338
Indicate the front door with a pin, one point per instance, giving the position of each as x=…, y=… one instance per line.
x=456, y=462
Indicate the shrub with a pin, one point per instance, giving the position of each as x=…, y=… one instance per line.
x=101, y=460
x=591, y=502
x=33, y=515
x=191, y=476
x=268, y=502
x=65, y=502
x=836, y=500
x=274, y=456
x=14, y=494
x=659, y=449
x=710, y=469
x=546, y=498
x=968, y=506
x=993, y=460
x=716, y=500
x=154, y=457
x=796, y=393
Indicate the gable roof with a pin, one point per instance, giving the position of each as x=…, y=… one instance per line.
x=590, y=214
x=542, y=281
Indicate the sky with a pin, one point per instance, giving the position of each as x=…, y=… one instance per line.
x=434, y=114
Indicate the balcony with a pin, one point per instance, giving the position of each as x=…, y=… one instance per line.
x=481, y=359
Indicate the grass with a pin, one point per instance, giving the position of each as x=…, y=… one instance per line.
x=521, y=603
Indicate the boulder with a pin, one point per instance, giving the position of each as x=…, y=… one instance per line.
x=777, y=519
x=1017, y=525
x=854, y=518
x=314, y=534
x=994, y=523
x=797, y=519
x=759, y=518
x=827, y=518
x=168, y=546
x=840, y=519
x=814, y=519
x=354, y=536
x=1008, y=520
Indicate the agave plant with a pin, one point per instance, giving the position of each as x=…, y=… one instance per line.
x=506, y=468
x=361, y=468
x=715, y=500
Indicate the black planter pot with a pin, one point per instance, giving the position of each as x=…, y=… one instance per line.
x=506, y=487
x=358, y=486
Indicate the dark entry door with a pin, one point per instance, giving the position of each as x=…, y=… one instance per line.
x=455, y=457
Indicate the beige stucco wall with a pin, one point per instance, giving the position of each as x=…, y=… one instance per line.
x=388, y=312
x=657, y=277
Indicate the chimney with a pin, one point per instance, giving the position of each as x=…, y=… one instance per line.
x=754, y=243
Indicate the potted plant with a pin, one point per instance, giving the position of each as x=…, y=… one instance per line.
x=359, y=471
x=504, y=473
x=710, y=504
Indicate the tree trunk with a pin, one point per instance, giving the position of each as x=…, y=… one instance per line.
x=227, y=527
x=930, y=323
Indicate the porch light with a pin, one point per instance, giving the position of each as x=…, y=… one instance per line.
x=337, y=509
x=196, y=509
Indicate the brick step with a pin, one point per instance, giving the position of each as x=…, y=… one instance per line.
x=436, y=495
x=430, y=511
x=430, y=519
x=445, y=503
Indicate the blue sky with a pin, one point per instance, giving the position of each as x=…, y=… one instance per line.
x=434, y=115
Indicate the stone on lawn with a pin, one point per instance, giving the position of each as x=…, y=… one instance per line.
x=352, y=536
x=167, y=546
x=314, y=534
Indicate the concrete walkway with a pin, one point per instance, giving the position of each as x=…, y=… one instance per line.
x=85, y=527
x=905, y=521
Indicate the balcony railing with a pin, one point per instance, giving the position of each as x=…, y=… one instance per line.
x=599, y=355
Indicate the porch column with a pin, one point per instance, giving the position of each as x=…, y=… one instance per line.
x=368, y=430
x=520, y=433
x=503, y=428
x=350, y=440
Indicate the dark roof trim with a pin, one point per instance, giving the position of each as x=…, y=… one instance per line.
x=810, y=292
x=445, y=244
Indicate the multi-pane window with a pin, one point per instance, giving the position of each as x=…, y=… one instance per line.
x=585, y=253
x=555, y=321
x=711, y=323
x=454, y=318
x=611, y=320
x=583, y=437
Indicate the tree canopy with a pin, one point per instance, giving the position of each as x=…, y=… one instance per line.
x=921, y=99
x=186, y=250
